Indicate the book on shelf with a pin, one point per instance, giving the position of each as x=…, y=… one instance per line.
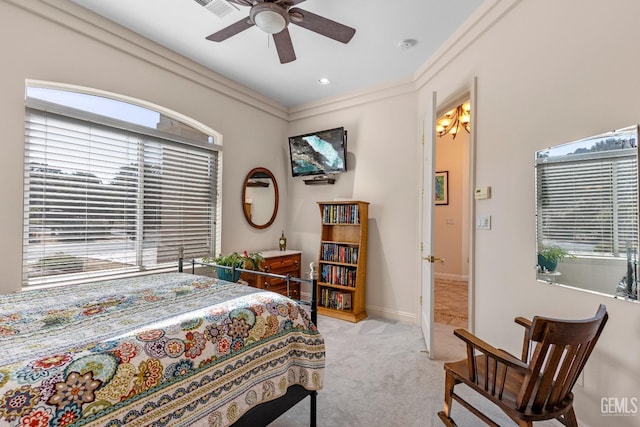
x=339, y=253
x=344, y=301
x=335, y=299
x=338, y=275
x=341, y=214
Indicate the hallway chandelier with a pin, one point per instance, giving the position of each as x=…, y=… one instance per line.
x=452, y=121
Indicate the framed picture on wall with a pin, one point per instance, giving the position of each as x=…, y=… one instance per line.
x=441, y=191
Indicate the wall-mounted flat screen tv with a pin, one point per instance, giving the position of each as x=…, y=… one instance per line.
x=319, y=153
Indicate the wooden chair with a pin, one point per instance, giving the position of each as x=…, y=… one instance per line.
x=530, y=388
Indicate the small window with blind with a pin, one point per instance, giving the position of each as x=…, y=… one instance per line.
x=113, y=188
x=587, y=195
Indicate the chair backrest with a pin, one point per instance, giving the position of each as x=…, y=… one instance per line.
x=562, y=348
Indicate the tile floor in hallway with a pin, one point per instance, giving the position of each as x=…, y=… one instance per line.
x=450, y=312
x=451, y=302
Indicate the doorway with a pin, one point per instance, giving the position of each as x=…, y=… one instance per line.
x=451, y=237
x=447, y=229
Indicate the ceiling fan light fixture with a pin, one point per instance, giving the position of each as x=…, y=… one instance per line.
x=274, y=16
x=269, y=17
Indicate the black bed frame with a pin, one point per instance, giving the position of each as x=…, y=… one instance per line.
x=267, y=412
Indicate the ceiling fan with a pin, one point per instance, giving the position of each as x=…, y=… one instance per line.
x=273, y=17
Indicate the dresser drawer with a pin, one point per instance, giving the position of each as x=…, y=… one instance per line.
x=275, y=262
x=283, y=265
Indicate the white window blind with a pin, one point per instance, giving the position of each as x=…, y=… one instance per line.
x=105, y=200
x=588, y=203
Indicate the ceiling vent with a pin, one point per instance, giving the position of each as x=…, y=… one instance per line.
x=220, y=8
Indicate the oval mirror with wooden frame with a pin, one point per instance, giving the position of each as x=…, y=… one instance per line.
x=260, y=198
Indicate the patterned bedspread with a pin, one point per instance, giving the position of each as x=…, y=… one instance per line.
x=161, y=350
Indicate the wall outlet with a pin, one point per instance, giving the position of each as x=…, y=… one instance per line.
x=483, y=222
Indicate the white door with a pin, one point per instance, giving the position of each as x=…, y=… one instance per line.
x=428, y=138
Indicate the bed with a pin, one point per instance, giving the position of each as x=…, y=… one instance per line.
x=171, y=349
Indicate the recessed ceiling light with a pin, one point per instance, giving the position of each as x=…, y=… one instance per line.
x=407, y=43
x=324, y=81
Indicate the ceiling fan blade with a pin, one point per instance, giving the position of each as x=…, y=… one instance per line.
x=231, y=30
x=242, y=2
x=284, y=3
x=284, y=46
x=321, y=25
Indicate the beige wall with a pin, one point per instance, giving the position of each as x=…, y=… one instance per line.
x=66, y=49
x=547, y=72
x=382, y=170
x=450, y=221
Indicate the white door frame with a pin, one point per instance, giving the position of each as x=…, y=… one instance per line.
x=426, y=213
x=426, y=223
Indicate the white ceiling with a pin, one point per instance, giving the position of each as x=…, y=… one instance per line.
x=372, y=57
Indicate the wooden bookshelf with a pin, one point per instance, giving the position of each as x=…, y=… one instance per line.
x=342, y=260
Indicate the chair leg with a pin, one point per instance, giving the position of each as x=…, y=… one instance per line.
x=446, y=420
x=449, y=383
x=445, y=415
x=569, y=419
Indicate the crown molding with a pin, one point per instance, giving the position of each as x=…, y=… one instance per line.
x=89, y=24
x=484, y=18
x=82, y=21
x=367, y=95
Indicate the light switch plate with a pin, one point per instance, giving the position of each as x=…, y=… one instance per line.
x=483, y=222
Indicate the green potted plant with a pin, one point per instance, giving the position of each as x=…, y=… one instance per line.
x=247, y=261
x=548, y=257
x=252, y=260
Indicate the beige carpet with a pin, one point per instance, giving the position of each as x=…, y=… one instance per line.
x=379, y=375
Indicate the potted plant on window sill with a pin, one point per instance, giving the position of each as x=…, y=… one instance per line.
x=548, y=257
x=247, y=261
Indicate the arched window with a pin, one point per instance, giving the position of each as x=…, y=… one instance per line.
x=113, y=188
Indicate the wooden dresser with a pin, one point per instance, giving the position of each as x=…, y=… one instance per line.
x=278, y=262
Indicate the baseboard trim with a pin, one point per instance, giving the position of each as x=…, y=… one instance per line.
x=401, y=316
x=384, y=313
